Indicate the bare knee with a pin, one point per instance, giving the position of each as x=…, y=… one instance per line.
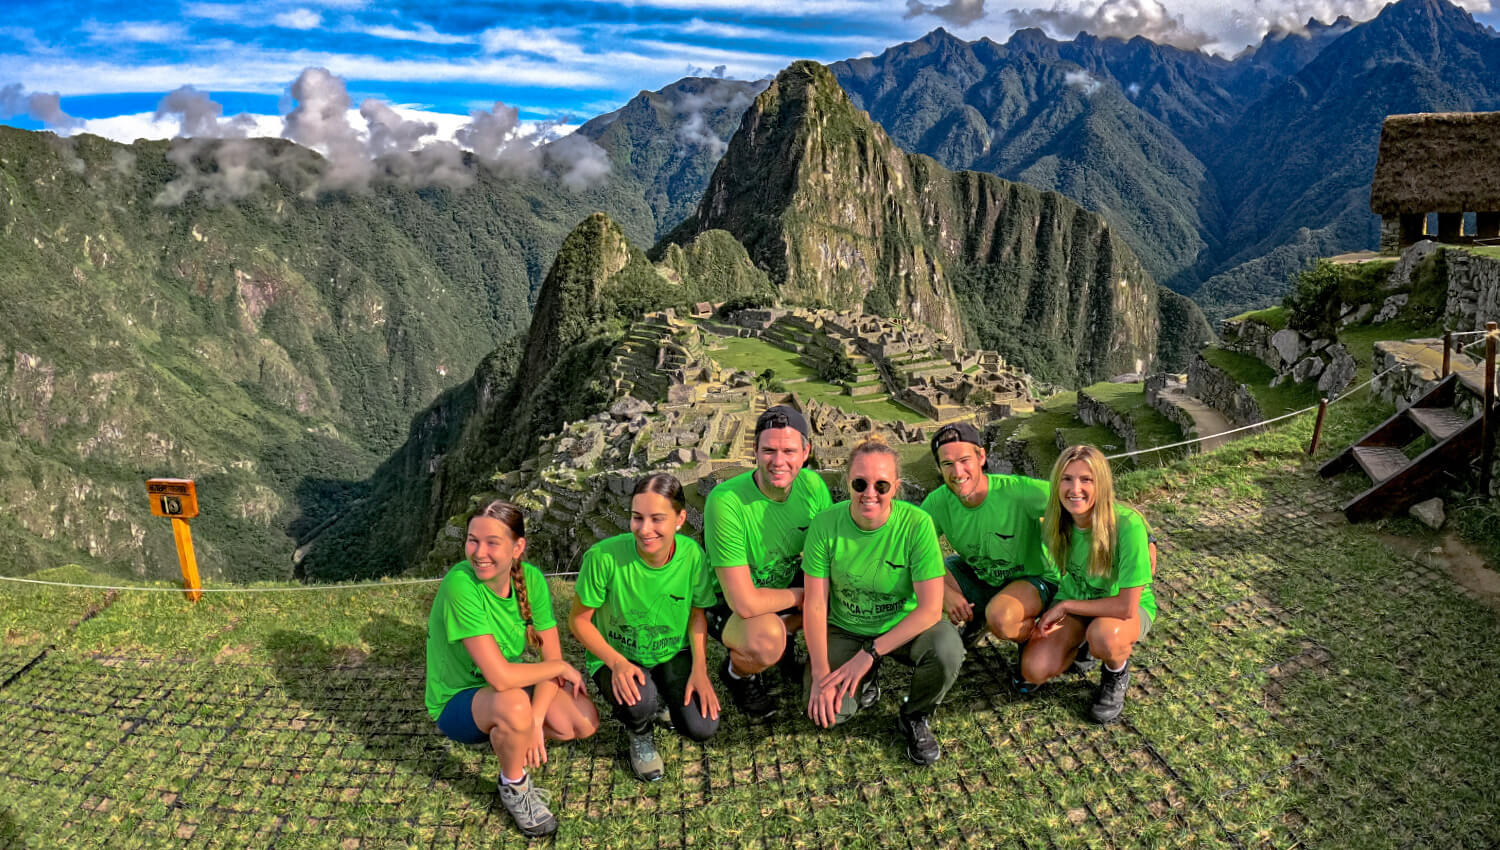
x=1038, y=666
x=768, y=641
x=512, y=712
x=1108, y=639
x=1007, y=618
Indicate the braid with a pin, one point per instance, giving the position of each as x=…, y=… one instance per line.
x=516, y=521
x=523, y=601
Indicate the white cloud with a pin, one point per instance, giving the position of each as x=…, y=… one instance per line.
x=779, y=8
x=145, y=125
x=266, y=71
x=135, y=32
x=1082, y=80
x=298, y=19
x=423, y=33
x=558, y=44
x=213, y=11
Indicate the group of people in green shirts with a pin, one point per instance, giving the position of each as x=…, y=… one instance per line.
x=1056, y=567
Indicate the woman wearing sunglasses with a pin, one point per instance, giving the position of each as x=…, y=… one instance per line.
x=874, y=587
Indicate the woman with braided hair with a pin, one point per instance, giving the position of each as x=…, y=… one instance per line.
x=488, y=609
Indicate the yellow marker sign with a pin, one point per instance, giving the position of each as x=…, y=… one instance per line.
x=177, y=498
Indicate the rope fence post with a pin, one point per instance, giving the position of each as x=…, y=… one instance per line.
x=1312, y=448
x=1447, y=351
x=1487, y=423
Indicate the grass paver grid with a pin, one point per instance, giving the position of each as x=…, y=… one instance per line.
x=1252, y=723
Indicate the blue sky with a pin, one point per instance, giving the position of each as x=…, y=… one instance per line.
x=112, y=63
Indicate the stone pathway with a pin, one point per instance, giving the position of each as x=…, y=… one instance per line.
x=1206, y=420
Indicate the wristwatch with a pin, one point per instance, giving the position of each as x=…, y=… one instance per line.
x=869, y=647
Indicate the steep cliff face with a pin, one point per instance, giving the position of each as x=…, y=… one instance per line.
x=491, y=423
x=838, y=215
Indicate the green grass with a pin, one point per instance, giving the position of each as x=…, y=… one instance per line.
x=1151, y=428
x=1039, y=430
x=1298, y=689
x=755, y=355
x=1361, y=339
x=1273, y=401
x=1272, y=317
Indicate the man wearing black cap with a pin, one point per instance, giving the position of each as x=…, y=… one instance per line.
x=1000, y=576
x=754, y=525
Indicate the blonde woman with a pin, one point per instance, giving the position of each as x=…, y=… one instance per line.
x=1104, y=599
x=874, y=587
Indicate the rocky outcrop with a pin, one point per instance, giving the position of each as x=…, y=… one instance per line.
x=1292, y=354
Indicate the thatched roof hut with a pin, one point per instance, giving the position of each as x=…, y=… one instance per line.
x=1438, y=162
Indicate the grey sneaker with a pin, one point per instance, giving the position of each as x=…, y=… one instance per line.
x=1083, y=662
x=1109, y=700
x=527, y=805
x=644, y=759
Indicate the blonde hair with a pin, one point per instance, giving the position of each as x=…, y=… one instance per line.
x=1057, y=523
x=876, y=444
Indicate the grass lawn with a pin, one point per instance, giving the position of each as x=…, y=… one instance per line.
x=1272, y=317
x=1039, y=430
x=1151, y=428
x=754, y=355
x=1273, y=401
x=1305, y=684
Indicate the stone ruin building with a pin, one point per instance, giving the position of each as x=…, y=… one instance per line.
x=1446, y=163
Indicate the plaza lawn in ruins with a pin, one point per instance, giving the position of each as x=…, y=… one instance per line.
x=1306, y=684
x=1039, y=430
x=755, y=355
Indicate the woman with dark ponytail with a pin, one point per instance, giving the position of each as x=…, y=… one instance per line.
x=488, y=610
x=640, y=614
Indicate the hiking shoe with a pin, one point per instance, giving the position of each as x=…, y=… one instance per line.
x=749, y=693
x=1109, y=701
x=791, y=667
x=1083, y=662
x=974, y=631
x=1019, y=683
x=869, y=689
x=644, y=759
x=527, y=805
x=921, y=746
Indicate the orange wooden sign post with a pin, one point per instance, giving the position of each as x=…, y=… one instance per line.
x=177, y=499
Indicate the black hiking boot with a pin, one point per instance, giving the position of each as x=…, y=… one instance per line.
x=749, y=693
x=1109, y=701
x=921, y=746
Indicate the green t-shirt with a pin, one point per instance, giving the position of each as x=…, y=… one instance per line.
x=870, y=573
x=1001, y=539
x=465, y=607
x=643, y=611
x=741, y=527
x=1132, y=563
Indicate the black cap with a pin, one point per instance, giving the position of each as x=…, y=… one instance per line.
x=958, y=432
x=782, y=416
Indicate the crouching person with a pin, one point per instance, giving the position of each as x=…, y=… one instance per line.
x=488, y=609
x=874, y=588
x=639, y=613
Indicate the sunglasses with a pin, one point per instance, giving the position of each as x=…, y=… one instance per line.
x=859, y=485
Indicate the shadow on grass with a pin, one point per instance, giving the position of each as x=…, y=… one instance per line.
x=376, y=697
x=10, y=832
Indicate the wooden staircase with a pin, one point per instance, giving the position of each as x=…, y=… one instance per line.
x=1399, y=480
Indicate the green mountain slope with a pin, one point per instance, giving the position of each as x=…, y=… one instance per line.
x=838, y=215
